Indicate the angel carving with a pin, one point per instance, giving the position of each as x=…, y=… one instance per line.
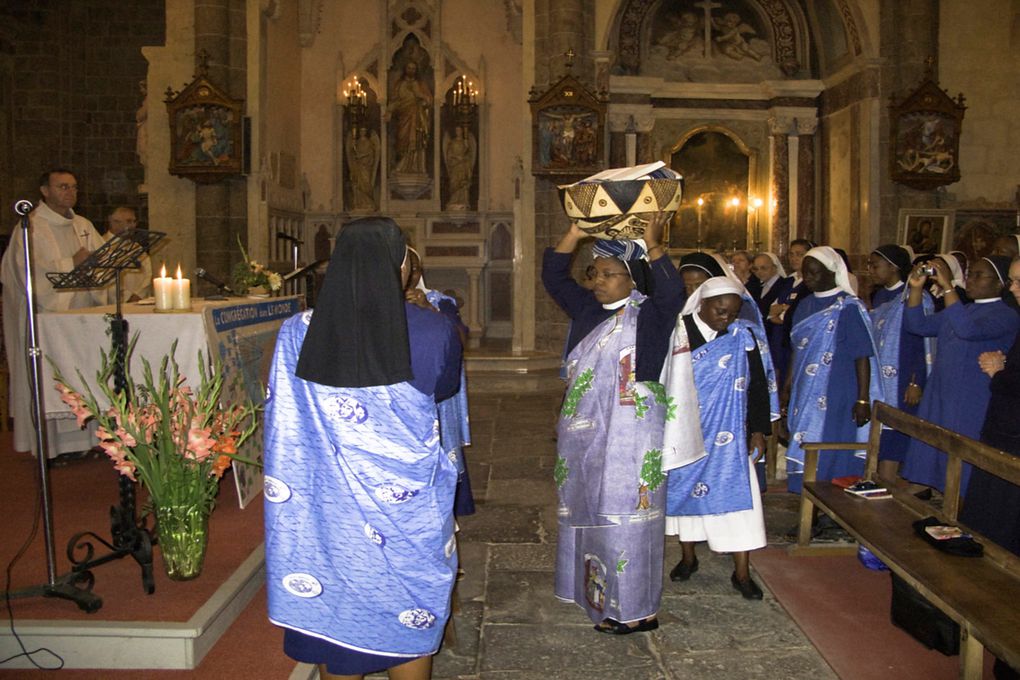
x=730, y=39
x=362, y=148
x=459, y=153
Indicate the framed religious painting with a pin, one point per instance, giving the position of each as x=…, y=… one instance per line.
x=206, y=127
x=926, y=231
x=568, y=130
x=925, y=137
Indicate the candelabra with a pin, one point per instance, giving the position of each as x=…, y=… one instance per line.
x=356, y=107
x=465, y=102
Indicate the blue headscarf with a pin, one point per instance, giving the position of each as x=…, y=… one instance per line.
x=633, y=256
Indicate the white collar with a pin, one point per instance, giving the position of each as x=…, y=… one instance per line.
x=985, y=301
x=797, y=278
x=617, y=304
x=895, y=286
x=52, y=216
x=768, y=284
x=830, y=293
x=708, y=333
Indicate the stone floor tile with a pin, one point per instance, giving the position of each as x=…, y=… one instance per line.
x=503, y=524
x=524, y=467
x=521, y=491
x=526, y=597
x=474, y=557
x=554, y=650
x=522, y=557
x=696, y=624
x=725, y=664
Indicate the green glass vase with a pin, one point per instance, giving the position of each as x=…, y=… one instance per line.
x=183, y=532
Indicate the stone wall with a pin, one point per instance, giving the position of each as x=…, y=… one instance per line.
x=74, y=93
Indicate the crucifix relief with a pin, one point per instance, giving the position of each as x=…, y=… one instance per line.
x=708, y=6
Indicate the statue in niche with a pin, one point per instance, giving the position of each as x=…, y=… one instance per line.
x=730, y=40
x=411, y=111
x=459, y=152
x=363, y=152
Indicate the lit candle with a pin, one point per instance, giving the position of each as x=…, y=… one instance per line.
x=162, y=287
x=181, y=291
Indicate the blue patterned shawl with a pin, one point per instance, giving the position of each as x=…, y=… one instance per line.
x=360, y=547
x=815, y=338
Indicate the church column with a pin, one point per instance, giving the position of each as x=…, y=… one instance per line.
x=805, y=221
x=474, y=306
x=221, y=210
x=779, y=129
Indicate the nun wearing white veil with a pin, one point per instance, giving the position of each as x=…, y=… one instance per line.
x=713, y=494
x=833, y=374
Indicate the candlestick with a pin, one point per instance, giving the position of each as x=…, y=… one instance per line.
x=162, y=288
x=701, y=205
x=181, y=291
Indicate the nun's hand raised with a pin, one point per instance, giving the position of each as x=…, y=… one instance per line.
x=656, y=225
x=943, y=275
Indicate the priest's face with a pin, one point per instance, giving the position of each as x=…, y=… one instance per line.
x=61, y=193
x=720, y=311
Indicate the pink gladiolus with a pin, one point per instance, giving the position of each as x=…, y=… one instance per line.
x=75, y=402
x=199, y=443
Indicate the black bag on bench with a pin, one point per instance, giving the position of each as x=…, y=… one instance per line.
x=924, y=621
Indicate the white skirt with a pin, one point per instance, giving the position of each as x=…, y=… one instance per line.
x=729, y=532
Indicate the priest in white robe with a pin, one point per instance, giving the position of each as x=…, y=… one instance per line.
x=60, y=241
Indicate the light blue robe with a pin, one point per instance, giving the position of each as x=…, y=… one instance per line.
x=360, y=548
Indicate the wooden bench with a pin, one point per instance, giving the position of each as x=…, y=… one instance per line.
x=981, y=594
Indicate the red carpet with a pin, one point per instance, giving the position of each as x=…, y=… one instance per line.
x=82, y=493
x=843, y=609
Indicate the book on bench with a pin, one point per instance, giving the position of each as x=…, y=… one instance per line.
x=868, y=490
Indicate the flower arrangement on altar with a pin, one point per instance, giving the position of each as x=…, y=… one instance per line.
x=250, y=274
x=176, y=441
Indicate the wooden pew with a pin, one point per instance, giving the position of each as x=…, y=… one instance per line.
x=981, y=594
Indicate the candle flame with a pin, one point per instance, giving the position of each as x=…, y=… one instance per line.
x=162, y=271
x=178, y=272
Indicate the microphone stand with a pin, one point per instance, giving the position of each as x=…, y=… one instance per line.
x=64, y=587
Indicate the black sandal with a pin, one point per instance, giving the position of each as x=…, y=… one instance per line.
x=614, y=627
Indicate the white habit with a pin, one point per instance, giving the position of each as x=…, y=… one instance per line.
x=55, y=240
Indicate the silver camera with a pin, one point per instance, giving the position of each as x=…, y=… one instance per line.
x=928, y=270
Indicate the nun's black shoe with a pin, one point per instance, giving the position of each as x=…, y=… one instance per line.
x=614, y=627
x=749, y=589
x=682, y=571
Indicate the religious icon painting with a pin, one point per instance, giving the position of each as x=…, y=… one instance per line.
x=206, y=126
x=568, y=130
x=925, y=137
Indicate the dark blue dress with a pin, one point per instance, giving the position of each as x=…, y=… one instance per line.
x=957, y=393
x=778, y=344
x=655, y=319
x=993, y=504
x=912, y=368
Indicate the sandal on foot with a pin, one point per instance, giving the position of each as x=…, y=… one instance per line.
x=614, y=627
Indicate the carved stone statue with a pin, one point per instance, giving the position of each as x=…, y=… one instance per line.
x=412, y=119
x=362, y=148
x=141, y=116
x=459, y=152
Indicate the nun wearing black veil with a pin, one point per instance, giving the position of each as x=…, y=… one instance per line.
x=360, y=550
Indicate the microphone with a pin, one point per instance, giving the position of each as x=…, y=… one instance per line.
x=287, y=237
x=23, y=207
x=206, y=276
